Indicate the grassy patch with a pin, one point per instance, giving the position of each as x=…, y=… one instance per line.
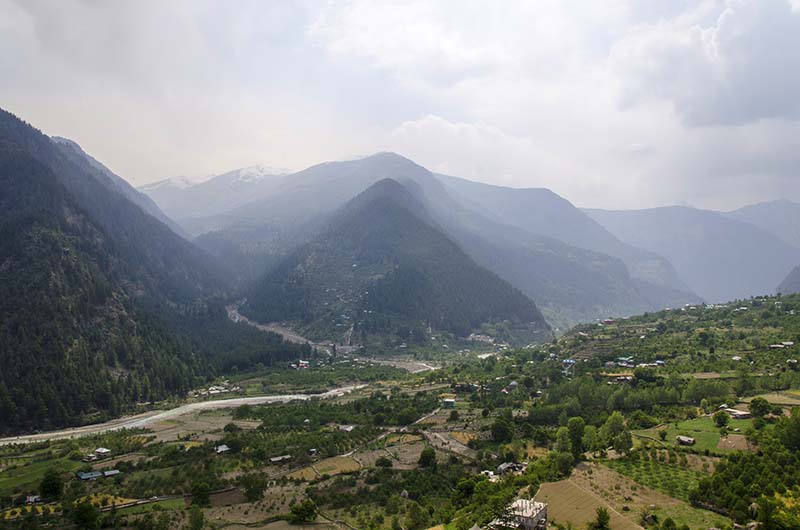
x=25, y=477
x=702, y=429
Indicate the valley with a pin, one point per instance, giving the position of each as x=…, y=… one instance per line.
x=567, y=423
x=369, y=345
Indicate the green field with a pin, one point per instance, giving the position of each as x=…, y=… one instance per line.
x=670, y=480
x=702, y=429
x=25, y=478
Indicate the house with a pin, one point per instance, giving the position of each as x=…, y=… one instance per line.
x=111, y=473
x=312, y=452
x=89, y=475
x=102, y=452
x=279, y=459
x=449, y=403
x=221, y=449
x=525, y=514
x=510, y=467
x=685, y=440
x=738, y=414
x=33, y=499
x=346, y=428
x=91, y=457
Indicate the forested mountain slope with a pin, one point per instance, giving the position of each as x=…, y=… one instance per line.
x=382, y=267
x=101, y=304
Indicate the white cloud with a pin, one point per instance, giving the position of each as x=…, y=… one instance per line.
x=743, y=67
x=601, y=103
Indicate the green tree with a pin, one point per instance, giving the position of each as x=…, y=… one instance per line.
x=721, y=418
x=51, y=485
x=253, y=485
x=86, y=516
x=197, y=520
x=601, y=521
x=612, y=428
x=502, y=430
x=427, y=457
x=303, y=512
x=200, y=493
x=591, y=439
x=383, y=461
x=576, y=427
x=760, y=407
x=623, y=442
x=563, y=443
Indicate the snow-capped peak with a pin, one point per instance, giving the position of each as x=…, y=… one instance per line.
x=256, y=173
x=180, y=183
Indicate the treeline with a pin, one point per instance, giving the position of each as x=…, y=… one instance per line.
x=101, y=305
x=748, y=485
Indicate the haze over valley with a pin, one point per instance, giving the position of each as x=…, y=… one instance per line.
x=400, y=266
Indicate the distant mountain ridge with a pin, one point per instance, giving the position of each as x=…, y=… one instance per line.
x=720, y=258
x=569, y=283
x=381, y=266
x=183, y=199
x=781, y=218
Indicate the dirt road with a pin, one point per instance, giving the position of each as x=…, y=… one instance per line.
x=147, y=418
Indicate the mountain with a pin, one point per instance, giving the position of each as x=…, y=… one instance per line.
x=114, y=182
x=720, y=258
x=569, y=284
x=543, y=212
x=791, y=284
x=102, y=305
x=189, y=201
x=780, y=218
x=382, y=267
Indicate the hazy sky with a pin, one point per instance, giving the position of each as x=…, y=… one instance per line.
x=617, y=104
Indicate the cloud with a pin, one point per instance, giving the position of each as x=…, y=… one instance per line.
x=743, y=67
x=619, y=103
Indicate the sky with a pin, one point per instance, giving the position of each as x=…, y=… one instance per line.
x=611, y=104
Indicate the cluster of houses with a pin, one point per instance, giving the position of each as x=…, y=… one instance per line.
x=479, y=337
x=98, y=454
x=215, y=390
x=628, y=362
x=735, y=413
x=781, y=345
x=94, y=475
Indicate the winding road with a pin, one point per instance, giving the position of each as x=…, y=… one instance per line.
x=142, y=420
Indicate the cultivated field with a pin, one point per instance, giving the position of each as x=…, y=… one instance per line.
x=672, y=480
x=569, y=503
x=329, y=466
x=632, y=499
